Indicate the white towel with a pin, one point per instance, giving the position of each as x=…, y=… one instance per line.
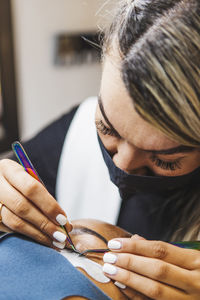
x=83, y=188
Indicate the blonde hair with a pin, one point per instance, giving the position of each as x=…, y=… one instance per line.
x=159, y=46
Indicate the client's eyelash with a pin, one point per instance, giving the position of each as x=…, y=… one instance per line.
x=166, y=165
x=105, y=130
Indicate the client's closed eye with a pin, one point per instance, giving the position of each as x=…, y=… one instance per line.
x=79, y=232
x=85, y=230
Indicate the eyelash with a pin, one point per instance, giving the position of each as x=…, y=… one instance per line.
x=105, y=130
x=166, y=165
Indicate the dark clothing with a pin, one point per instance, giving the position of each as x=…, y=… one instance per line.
x=149, y=215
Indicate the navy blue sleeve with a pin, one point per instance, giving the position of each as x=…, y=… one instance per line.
x=32, y=271
x=45, y=149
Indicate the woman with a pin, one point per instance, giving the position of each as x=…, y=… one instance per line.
x=147, y=120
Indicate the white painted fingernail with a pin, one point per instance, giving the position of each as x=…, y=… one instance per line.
x=114, y=245
x=109, y=269
x=61, y=219
x=59, y=236
x=110, y=258
x=120, y=285
x=59, y=245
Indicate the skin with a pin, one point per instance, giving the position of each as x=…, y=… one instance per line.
x=87, y=241
x=24, y=212
x=136, y=135
x=153, y=268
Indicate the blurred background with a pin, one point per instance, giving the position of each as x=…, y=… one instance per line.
x=46, y=66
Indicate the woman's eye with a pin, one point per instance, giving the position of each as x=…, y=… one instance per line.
x=105, y=130
x=166, y=165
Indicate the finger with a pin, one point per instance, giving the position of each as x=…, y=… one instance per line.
x=144, y=285
x=137, y=237
x=152, y=268
x=184, y=258
x=21, y=207
x=130, y=293
x=18, y=225
x=34, y=191
x=4, y=228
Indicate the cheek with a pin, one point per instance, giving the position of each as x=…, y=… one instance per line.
x=109, y=142
x=193, y=162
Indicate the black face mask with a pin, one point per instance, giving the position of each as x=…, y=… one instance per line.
x=129, y=184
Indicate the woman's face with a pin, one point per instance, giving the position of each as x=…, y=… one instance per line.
x=136, y=146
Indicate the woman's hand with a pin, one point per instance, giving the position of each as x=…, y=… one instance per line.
x=154, y=269
x=28, y=208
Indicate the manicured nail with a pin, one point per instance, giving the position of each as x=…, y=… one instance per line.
x=115, y=245
x=61, y=219
x=109, y=269
x=59, y=236
x=120, y=285
x=59, y=245
x=110, y=258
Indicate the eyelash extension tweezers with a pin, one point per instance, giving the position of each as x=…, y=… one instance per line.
x=29, y=168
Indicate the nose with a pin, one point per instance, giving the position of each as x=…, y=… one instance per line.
x=130, y=159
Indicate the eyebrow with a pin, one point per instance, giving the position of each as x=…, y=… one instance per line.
x=83, y=230
x=175, y=150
